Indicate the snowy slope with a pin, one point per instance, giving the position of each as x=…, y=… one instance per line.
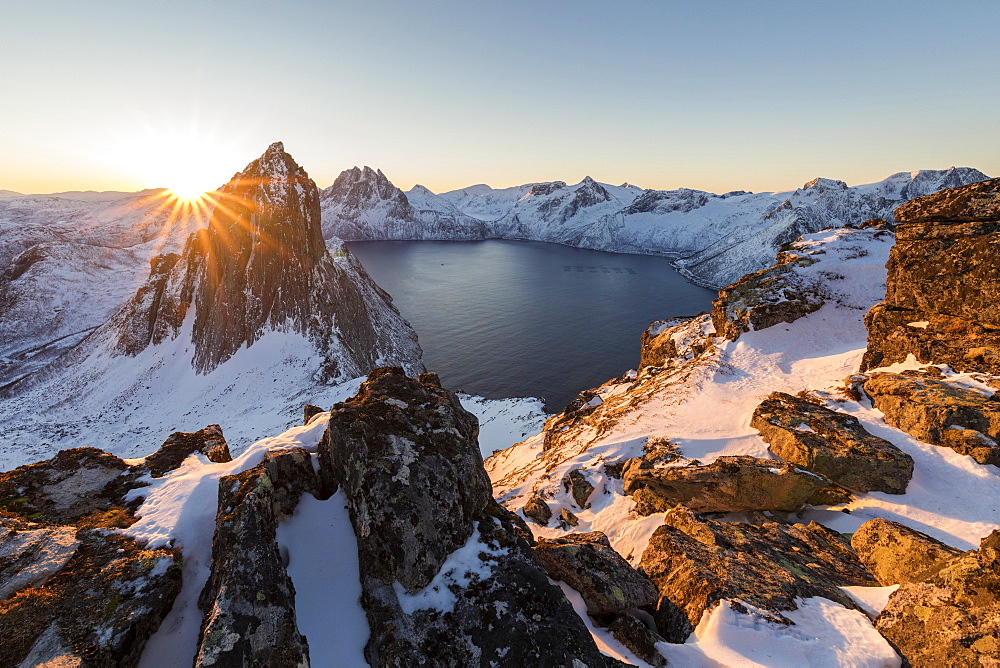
x=703, y=406
x=715, y=238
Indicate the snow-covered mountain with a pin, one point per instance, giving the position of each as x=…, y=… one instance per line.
x=253, y=300
x=363, y=204
x=714, y=238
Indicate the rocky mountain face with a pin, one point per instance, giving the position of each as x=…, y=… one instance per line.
x=941, y=296
x=256, y=295
x=363, y=204
x=715, y=239
x=261, y=265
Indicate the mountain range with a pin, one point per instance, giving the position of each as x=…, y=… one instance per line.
x=713, y=239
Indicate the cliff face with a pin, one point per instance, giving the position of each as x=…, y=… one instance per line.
x=261, y=265
x=943, y=281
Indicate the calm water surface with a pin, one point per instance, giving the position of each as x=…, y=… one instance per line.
x=525, y=318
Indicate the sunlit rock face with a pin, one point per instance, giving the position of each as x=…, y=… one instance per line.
x=261, y=265
x=943, y=280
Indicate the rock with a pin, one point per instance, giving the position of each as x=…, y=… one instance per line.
x=963, y=344
x=447, y=575
x=537, y=510
x=80, y=486
x=832, y=444
x=953, y=617
x=420, y=514
x=764, y=299
x=208, y=441
x=580, y=488
x=630, y=631
x=249, y=600
x=262, y=265
x=98, y=608
x=588, y=564
x=32, y=556
x=657, y=342
x=695, y=563
x=942, y=283
x=568, y=518
x=309, y=412
x=939, y=412
x=729, y=484
x=895, y=553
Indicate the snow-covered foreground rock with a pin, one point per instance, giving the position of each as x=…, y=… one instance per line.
x=715, y=238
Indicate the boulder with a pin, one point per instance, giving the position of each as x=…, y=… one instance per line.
x=537, y=510
x=832, y=444
x=249, y=600
x=447, y=576
x=632, y=632
x=942, y=283
x=309, y=412
x=208, y=441
x=938, y=411
x=580, y=488
x=951, y=618
x=895, y=553
x=764, y=299
x=80, y=486
x=568, y=518
x=696, y=563
x=729, y=484
x=588, y=564
x=90, y=598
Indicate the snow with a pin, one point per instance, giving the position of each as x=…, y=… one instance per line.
x=871, y=599
x=471, y=563
x=504, y=422
x=323, y=565
x=179, y=510
x=824, y=635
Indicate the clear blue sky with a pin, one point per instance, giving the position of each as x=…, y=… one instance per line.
x=711, y=95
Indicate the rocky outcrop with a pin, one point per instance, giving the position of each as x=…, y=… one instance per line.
x=832, y=444
x=446, y=575
x=696, y=563
x=82, y=487
x=939, y=411
x=71, y=592
x=729, y=484
x=896, y=554
x=262, y=265
x=208, y=441
x=588, y=564
x=579, y=488
x=249, y=600
x=97, y=609
x=940, y=302
x=951, y=618
x=636, y=634
x=763, y=299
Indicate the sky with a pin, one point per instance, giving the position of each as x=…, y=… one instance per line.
x=715, y=95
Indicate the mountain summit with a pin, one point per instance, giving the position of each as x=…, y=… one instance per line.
x=261, y=265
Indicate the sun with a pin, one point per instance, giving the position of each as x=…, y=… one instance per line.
x=189, y=191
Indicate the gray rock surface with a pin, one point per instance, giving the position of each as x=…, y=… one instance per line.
x=405, y=454
x=588, y=564
x=249, y=600
x=208, y=441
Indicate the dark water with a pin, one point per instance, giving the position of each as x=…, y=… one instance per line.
x=524, y=318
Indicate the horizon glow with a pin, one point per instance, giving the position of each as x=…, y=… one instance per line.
x=715, y=96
